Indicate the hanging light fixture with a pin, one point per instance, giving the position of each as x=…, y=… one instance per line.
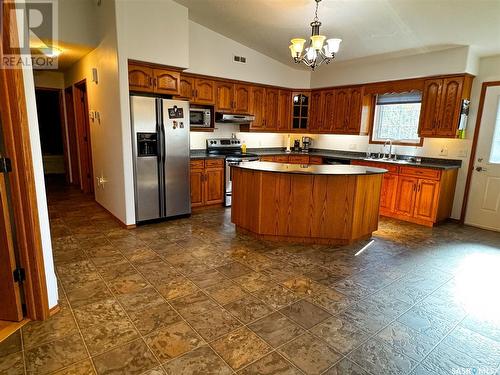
x=316, y=52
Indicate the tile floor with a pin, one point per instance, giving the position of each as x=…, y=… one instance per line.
x=193, y=297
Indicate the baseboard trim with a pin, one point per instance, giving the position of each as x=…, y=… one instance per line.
x=8, y=328
x=54, y=310
x=122, y=224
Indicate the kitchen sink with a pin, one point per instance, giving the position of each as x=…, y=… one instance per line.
x=386, y=160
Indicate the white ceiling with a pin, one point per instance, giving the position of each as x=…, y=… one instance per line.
x=367, y=27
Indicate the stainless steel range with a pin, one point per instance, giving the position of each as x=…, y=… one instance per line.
x=230, y=148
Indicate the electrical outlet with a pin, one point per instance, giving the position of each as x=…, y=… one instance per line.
x=443, y=152
x=462, y=153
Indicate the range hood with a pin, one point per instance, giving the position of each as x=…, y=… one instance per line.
x=233, y=119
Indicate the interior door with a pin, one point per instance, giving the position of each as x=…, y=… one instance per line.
x=483, y=208
x=10, y=296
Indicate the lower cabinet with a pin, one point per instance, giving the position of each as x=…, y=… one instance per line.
x=207, y=182
x=419, y=195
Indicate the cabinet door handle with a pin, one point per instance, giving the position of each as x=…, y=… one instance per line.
x=154, y=82
x=150, y=81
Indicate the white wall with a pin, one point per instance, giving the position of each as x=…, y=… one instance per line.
x=212, y=54
x=454, y=60
x=49, y=79
x=41, y=199
x=104, y=97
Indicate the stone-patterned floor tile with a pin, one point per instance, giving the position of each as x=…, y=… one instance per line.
x=445, y=360
x=202, y=360
x=131, y=358
x=55, y=355
x=11, y=344
x=39, y=332
x=305, y=313
x=486, y=327
x=421, y=370
x=194, y=304
x=12, y=364
x=213, y=323
x=248, y=309
x=88, y=293
x=241, y=347
x=302, y=286
x=80, y=368
x=271, y=364
x=176, y=287
x=277, y=297
x=330, y=299
x=380, y=358
x=234, y=269
x=341, y=334
x=208, y=278
x=310, y=354
x=100, y=338
x=253, y=281
x=140, y=300
x=102, y=312
x=345, y=367
x=173, y=340
x=426, y=323
x=151, y=319
x=276, y=329
x=481, y=348
x=127, y=284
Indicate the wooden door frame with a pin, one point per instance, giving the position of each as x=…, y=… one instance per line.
x=62, y=119
x=72, y=139
x=83, y=123
x=15, y=127
x=473, y=152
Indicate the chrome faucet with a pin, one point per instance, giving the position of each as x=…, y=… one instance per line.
x=390, y=148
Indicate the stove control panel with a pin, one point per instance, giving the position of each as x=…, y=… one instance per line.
x=223, y=143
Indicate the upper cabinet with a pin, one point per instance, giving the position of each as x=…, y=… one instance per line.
x=144, y=78
x=197, y=90
x=284, y=110
x=232, y=98
x=441, y=105
x=300, y=110
x=258, y=107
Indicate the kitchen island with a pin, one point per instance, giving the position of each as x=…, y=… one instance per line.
x=319, y=204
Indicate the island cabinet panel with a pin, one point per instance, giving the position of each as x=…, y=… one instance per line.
x=306, y=208
x=207, y=182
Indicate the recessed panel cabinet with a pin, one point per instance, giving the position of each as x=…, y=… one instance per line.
x=143, y=78
x=207, y=182
x=233, y=98
x=441, y=105
x=197, y=90
x=284, y=110
x=419, y=195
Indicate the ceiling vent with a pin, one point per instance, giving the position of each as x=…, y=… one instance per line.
x=239, y=59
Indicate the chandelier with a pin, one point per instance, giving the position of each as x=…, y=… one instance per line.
x=317, y=51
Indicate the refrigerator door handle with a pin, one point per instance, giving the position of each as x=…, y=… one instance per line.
x=161, y=158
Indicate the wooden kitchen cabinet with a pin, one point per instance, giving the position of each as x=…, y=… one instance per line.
x=317, y=107
x=150, y=79
x=347, y=110
x=186, y=88
x=441, y=105
x=242, y=99
x=416, y=194
x=224, y=96
x=204, y=91
x=166, y=81
x=257, y=106
x=271, y=109
x=298, y=159
x=207, y=182
x=353, y=123
x=300, y=110
x=284, y=110
x=140, y=78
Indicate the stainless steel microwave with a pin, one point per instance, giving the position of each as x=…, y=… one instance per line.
x=200, y=117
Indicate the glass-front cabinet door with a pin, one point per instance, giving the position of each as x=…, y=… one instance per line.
x=300, y=102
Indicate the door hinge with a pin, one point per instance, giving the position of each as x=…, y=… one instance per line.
x=5, y=165
x=19, y=275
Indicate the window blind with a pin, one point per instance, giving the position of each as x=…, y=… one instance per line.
x=400, y=98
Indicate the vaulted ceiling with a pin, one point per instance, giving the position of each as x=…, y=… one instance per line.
x=367, y=27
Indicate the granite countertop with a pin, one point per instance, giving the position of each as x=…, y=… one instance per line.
x=265, y=166
x=350, y=155
x=344, y=155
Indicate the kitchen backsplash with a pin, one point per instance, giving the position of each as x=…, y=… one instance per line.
x=432, y=147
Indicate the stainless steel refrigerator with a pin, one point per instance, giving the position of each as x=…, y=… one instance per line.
x=160, y=137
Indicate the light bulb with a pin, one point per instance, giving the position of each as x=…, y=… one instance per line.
x=298, y=45
x=311, y=54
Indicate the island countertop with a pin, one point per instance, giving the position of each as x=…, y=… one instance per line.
x=264, y=166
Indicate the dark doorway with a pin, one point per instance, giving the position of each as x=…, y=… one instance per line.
x=72, y=137
x=52, y=133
